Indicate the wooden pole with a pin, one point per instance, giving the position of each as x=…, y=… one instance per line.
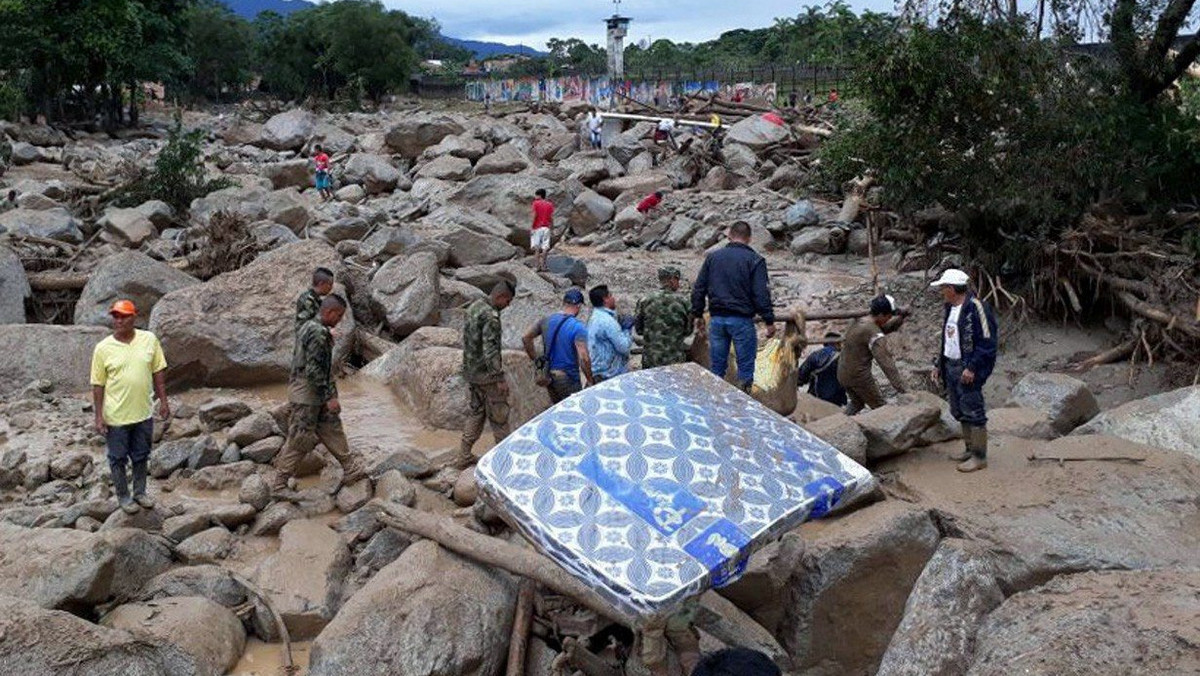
x=518, y=645
x=722, y=621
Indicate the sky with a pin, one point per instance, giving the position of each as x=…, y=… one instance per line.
x=532, y=22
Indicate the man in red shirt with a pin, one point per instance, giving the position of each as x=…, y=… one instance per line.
x=648, y=205
x=324, y=179
x=543, y=226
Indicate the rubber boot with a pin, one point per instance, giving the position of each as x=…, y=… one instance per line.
x=978, y=459
x=968, y=451
x=139, y=486
x=121, y=486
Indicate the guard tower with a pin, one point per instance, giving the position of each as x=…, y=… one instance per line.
x=618, y=28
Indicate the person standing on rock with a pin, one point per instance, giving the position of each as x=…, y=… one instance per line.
x=608, y=336
x=324, y=178
x=483, y=369
x=308, y=305
x=733, y=285
x=595, y=124
x=865, y=343
x=540, y=233
x=564, y=348
x=968, y=355
x=315, y=409
x=125, y=367
x=819, y=372
x=664, y=321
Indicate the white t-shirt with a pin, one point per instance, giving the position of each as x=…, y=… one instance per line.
x=666, y=125
x=953, y=348
x=594, y=122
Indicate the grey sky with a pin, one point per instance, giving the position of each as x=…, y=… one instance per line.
x=532, y=22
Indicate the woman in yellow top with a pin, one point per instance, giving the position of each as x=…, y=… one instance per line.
x=125, y=366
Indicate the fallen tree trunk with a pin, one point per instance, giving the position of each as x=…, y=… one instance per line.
x=854, y=200
x=723, y=622
x=57, y=281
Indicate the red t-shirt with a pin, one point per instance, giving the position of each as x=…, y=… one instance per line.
x=543, y=213
x=322, y=162
x=649, y=203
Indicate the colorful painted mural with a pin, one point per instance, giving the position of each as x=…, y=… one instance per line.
x=600, y=90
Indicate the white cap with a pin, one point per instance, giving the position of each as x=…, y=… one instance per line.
x=953, y=277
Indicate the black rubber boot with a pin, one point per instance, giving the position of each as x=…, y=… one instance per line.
x=121, y=486
x=968, y=434
x=139, y=485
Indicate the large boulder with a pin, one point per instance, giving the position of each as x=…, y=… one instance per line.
x=1068, y=401
x=59, y=354
x=508, y=196
x=460, y=145
x=1103, y=624
x=414, y=133
x=405, y=292
x=135, y=226
x=428, y=613
x=210, y=633
x=374, y=172
x=426, y=372
x=39, y=642
x=638, y=185
x=446, y=168
x=468, y=247
x=238, y=327
x=74, y=570
x=825, y=241
x=895, y=429
x=247, y=203
x=211, y=582
x=288, y=174
x=304, y=578
x=14, y=287
x=757, y=132
x=954, y=594
x=1042, y=518
x=506, y=159
x=131, y=275
x=1023, y=423
x=588, y=212
x=853, y=580
x=56, y=223
x=1165, y=420
x=289, y=130
x=843, y=433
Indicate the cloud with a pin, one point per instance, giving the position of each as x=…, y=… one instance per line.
x=532, y=22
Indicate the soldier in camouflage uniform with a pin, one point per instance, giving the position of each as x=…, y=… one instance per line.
x=664, y=321
x=312, y=392
x=309, y=302
x=483, y=370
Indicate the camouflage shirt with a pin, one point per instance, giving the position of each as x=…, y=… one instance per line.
x=481, y=344
x=664, y=320
x=308, y=306
x=312, y=379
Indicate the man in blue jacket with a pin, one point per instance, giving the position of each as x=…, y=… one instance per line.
x=969, y=338
x=819, y=372
x=733, y=281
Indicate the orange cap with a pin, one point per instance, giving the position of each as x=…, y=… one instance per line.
x=123, y=307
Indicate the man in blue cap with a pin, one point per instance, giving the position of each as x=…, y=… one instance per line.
x=564, y=349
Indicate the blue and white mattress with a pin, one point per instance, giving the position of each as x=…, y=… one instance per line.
x=658, y=485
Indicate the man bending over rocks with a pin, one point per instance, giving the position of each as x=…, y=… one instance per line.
x=313, y=395
x=124, y=365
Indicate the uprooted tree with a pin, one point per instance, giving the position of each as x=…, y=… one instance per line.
x=1069, y=175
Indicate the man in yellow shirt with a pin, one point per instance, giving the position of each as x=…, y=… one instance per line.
x=124, y=367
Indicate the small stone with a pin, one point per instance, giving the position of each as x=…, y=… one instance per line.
x=207, y=546
x=263, y=452
x=353, y=496
x=393, y=486
x=222, y=413
x=255, y=492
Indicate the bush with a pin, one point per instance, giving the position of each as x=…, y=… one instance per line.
x=178, y=174
x=1010, y=132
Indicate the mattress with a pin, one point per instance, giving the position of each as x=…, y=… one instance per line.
x=657, y=485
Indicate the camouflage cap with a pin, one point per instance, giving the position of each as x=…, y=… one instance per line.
x=669, y=272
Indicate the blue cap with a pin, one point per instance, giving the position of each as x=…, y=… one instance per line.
x=573, y=296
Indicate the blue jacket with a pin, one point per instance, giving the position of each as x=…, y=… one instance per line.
x=733, y=280
x=819, y=372
x=977, y=337
x=608, y=344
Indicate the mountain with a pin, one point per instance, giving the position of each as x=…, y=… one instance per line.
x=484, y=50
x=248, y=9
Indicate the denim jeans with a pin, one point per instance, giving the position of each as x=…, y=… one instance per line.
x=741, y=333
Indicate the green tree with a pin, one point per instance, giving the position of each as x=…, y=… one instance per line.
x=220, y=47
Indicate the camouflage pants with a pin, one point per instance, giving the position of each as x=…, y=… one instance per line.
x=675, y=631
x=488, y=403
x=306, y=426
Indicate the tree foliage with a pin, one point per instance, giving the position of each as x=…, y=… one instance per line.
x=1011, y=132
x=178, y=176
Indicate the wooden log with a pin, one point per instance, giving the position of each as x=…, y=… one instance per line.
x=518, y=644
x=578, y=656
x=732, y=630
x=57, y=281
x=854, y=200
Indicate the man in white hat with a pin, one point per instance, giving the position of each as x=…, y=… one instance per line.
x=967, y=358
